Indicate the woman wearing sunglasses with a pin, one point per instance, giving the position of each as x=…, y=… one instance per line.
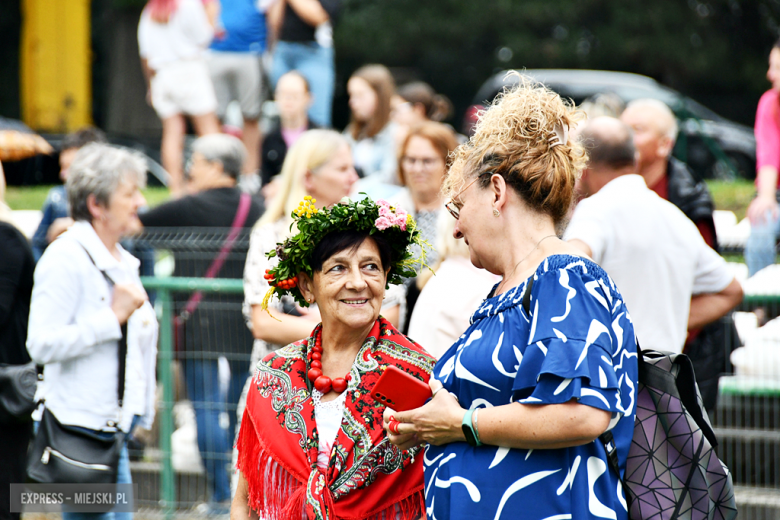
x=548, y=363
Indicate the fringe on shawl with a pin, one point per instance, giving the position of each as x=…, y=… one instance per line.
x=410, y=508
x=272, y=491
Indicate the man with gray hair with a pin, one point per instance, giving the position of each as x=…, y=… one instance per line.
x=672, y=281
x=211, y=326
x=655, y=132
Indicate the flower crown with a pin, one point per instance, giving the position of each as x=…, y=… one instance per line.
x=397, y=226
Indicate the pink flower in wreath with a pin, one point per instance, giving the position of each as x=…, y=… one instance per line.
x=383, y=223
x=384, y=211
x=400, y=220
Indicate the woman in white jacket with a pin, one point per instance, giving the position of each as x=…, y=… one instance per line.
x=76, y=315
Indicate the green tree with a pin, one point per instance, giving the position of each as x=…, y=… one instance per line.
x=714, y=51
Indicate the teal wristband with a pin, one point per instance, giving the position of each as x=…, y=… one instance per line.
x=475, y=426
x=472, y=437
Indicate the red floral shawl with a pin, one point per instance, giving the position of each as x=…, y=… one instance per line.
x=367, y=476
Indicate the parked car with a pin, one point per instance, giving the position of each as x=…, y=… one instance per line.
x=44, y=168
x=713, y=146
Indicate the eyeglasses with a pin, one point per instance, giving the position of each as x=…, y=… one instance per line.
x=452, y=206
x=425, y=162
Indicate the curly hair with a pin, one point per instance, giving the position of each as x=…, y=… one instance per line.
x=513, y=139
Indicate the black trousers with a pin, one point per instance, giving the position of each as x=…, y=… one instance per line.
x=709, y=353
x=14, y=440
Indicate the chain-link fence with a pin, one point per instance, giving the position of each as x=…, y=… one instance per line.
x=203, y=364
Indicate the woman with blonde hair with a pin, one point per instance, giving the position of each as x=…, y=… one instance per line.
x=548, y=363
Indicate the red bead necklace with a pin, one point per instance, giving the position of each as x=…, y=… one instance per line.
x=322, y=382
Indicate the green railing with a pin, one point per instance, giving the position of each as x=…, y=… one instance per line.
x=163, y=287
x=752, y=301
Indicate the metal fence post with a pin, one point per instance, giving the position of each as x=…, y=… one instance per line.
x=165, y=376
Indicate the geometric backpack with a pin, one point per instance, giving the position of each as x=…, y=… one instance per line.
x=672, y=470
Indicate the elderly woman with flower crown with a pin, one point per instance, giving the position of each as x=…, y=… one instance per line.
x=311, y=443
x=543, y=381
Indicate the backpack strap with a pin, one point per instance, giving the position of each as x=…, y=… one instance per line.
x=608, y=441
x=527, y=296
x=606, y=438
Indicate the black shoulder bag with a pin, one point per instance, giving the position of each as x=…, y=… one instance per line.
x=17, y=392
x=64, y=454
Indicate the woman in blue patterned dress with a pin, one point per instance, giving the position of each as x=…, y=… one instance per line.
x=516, y=433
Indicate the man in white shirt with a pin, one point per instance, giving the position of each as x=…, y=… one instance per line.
x=671, y=280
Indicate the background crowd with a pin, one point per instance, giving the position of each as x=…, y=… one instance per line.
x=199, y=56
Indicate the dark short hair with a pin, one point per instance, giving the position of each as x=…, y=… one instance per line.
x=350, y=239
x=82, y=137
x=437, y=106
x=615, y=151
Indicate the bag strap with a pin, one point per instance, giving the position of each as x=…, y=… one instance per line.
x=527, y=296
x=244, y=205
x=606, y=438
x=122, y=351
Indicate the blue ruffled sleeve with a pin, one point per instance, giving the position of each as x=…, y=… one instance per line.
x=577, y=333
